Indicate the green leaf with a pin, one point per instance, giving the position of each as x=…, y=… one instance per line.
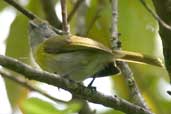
x=38, y=106
x=138, y=33
x=73, y=107
x=100, y=11
x=2, y=5
x=35, y=7
x=137, y=27
x=17, y=42
x=17, y=46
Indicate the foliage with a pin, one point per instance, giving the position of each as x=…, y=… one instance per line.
x=138, y=33
x=38, y=106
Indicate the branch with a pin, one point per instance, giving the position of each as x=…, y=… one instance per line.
x=30, y=15
x=28, y=85
x=71, y=86
x=114, y=29
x=49, y=10
x=155, y=15
x=76, y=6
x=27, y=13
x=64, y=16
x=125, y=69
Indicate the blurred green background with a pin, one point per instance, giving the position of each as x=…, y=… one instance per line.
x=139, y=33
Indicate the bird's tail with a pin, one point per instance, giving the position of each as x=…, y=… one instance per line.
x=137, y=58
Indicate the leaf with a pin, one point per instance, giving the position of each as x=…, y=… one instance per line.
x=138, y=32
x=2, y=5
x=38, y=106
x=73, y=107
x=100, y=12
x=17, y=47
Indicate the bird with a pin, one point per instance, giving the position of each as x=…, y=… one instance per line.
x=77, y=57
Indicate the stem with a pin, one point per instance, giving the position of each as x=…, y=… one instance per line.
x=28, y=85
x=27, y=13
x=164, y=24
x=125, y=69
x=64, y=16
x=115, y=38
x=30, y=15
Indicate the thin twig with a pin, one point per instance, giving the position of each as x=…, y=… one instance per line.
x=77, y=89
x=135, y=94
x=30, y=15
x=114, y=29
x=164, y=24
x=126, y=71
x=28, y=85
x=64, y=16
x=49, y=10
x=76, y=6
x=27, y=13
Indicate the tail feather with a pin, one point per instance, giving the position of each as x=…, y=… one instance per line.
x=137, y=58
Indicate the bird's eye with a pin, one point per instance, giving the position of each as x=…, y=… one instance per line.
x=44, y=26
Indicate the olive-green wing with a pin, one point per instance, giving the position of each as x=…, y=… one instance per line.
x=137, y=58
x=63, y=44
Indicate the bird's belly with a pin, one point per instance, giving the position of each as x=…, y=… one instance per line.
x=76, y=65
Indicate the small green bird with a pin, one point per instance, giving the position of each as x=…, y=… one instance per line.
x=77, y=57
